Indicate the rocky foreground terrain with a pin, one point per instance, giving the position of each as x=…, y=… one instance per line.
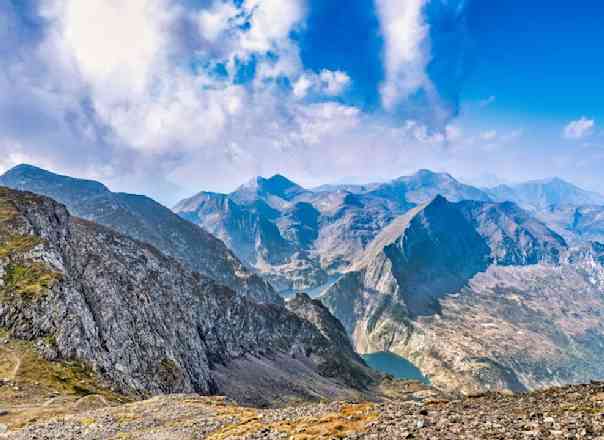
x=572, y=412
x=57, y=400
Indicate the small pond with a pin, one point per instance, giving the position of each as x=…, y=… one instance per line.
x=395, y=365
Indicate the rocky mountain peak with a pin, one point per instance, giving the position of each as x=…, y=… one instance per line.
x=198, y=200
x=260, y=187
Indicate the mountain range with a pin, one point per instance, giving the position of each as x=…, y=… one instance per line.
x=479, y=295
x=481, y=288
x=304, y=239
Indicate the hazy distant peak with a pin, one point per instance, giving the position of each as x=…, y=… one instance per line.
x=192, y=203
x=426, y=174
x=261, y=187
x=32, y=178
x=278, y=184
x=539, y=194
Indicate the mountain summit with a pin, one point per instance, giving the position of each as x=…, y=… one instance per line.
x=276, y=186
x=546, y=193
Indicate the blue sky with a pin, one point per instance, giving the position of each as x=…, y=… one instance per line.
x=184, y=95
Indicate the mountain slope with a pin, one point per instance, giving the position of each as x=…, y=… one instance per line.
x=146, y=220
x=146, y=324
x=541, y=194
x=479, y=296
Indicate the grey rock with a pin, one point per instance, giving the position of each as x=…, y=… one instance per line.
x=147, y=324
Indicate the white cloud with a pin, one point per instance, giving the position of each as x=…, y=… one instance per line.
x=115, y=45
x=137, y=82
x=334, y=82
x=579, y=129
x=327, y=82
x=217, y=19
x=407, y=49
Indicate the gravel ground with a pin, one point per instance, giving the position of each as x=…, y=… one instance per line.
x=573, y=412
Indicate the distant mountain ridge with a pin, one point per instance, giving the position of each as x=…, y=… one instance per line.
x=146, y=220
x=300, y=238
x=541, y=194
x=572, y=211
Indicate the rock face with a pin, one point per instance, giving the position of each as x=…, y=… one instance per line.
x=300, y=239
x=146, y=324
x=146, y=220
x=478, y=295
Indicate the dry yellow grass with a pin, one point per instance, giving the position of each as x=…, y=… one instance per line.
x=352, y=418
x=39, y=390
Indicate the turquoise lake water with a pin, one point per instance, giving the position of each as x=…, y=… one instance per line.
x=394, y=365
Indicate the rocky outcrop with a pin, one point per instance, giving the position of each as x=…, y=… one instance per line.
x=146, y=324
x=479, y=296
x=146, y=220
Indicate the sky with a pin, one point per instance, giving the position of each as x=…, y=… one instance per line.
x=170, y=97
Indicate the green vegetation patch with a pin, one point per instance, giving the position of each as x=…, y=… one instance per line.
x=18, y=244
x=40, y=376
x=7, y=209
x=31, y=281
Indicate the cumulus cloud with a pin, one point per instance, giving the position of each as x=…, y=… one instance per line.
x=327, y=82
x=156, y=97
x=579, y=129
